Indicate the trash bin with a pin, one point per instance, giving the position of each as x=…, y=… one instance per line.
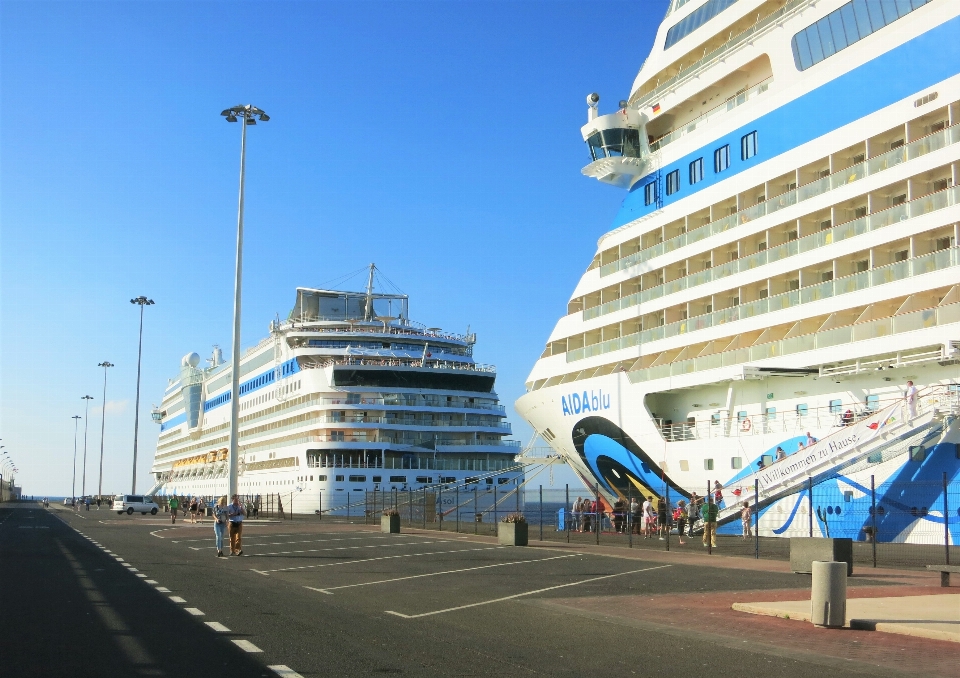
x=209, y=511
x=828, y=594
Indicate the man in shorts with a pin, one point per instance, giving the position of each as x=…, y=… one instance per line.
x=235, y=514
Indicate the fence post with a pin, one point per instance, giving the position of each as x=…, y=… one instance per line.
x=873, y=517
x=541, y=509
x=476, y=511
x=440, y=508
x=424, y=504
x=348, y=504
x=712, y=535
x=596, y=511
x=756, y=520
x=810, y=497
x=629, y=519
x=410, y=504
x=946, y=521
x=495, y=507
x=517, y=480
x=668, y=516
x=320, y=504
x=566, y=508
x=457, y=502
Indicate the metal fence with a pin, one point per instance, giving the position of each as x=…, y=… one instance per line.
x=900, y=523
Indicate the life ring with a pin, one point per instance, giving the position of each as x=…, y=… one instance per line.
x=745, y=424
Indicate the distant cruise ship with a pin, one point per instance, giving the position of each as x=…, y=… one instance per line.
x=348, y=395
x=784, y=262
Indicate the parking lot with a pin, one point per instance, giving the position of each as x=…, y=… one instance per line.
x=315, y=598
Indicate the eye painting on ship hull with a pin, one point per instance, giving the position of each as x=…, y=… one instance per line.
x=617, y=462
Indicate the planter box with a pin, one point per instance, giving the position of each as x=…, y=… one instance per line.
x=512, y=534
x=805, y=550
x=390, y=524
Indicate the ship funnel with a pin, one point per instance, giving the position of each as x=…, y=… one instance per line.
x=593, y=100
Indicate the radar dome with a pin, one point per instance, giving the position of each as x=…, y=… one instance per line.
x=191, y=359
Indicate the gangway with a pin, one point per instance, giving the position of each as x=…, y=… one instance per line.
x=883, y=435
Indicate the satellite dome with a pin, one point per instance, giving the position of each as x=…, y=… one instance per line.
x=191, y=359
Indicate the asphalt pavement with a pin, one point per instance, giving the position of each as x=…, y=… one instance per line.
x=94, y=593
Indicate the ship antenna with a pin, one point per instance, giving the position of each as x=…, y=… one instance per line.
x=368, y=311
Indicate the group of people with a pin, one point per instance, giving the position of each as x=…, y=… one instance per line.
x=226, y=518
x=81, y=503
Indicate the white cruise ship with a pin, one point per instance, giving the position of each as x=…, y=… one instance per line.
x=346, y=396
x=784, y=262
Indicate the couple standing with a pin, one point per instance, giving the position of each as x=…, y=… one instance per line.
x=229, y=517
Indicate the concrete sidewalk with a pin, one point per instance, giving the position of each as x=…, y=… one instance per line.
x=936, y=616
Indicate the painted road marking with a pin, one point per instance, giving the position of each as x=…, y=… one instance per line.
x=177, y=599
x=194, y=611
x=132, y=569
x=521, y=595
x=283, y=543
x=284, y=671
x=141, y=575
x=434, y=574
x=218, y=627
x=152, y=581
x=247, y=646
x=163, y=589
x=118, y=559
x=335, y=548
x=368, y=560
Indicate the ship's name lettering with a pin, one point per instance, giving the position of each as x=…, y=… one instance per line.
x=587, y=401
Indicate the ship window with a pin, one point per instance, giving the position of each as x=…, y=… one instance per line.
x=917, y=453
x=398, y=479
x=696, y=171
x=835, y=406
x=748, y=146
x=650, y=193
x=673, y=182
x=708, y=464
x=845, y=26
x=802, y=410
x=339, y=479
x=424, y=479
x=721, y=158
x=695, y=20
x=736, y=462
x=873, y=403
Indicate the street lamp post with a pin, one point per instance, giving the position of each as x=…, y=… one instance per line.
x=141, y=301
x=103, y=423
x=73, y=486
x=86, y=425
x=248, y=115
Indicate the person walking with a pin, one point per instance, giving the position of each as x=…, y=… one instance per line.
x=193, y=510
x=174, y=505
x=745, y=515
x=693, y=512
x=220, y=523
x=911, y=400
x=235, y=515
x=708, y=513
x=201, y=509
x=636, y=516
x=662, y=527
x=717, y=493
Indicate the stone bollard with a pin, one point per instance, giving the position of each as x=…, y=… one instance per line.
x=828, y=594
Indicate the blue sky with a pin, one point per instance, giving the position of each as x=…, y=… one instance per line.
x=437, y=139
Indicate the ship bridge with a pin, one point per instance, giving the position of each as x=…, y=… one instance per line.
x=618, y=144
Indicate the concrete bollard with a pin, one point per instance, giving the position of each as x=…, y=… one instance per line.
x=828, y=594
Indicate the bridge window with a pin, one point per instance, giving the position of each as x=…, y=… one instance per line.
x=844, y=26
x=613, y=143
x=721, y=158
x=748, y=146
x=673, y=182
x=696, y=171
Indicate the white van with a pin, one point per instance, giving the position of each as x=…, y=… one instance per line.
x=128, y=503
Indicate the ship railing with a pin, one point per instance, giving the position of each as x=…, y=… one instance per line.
x=712, y=114
x=376, y=362
x=767, y=22
x=391, y=330
x=927, y=263
x=915, y=149
x=802, y=420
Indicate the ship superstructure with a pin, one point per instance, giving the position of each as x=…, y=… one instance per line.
x=784, y=262
x=348, y=394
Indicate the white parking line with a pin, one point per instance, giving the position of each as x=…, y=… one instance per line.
x=163, y=589
x=368, y=560
x=281, y=543
x=132, y=569
x=177, y=599
x=336, y=548
x=434, y=574
x=521, y=595
x=152, y=581
x=194, y=611
x=218, y=627
x=284, y=671
x=246, y=538
x=247, y=646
